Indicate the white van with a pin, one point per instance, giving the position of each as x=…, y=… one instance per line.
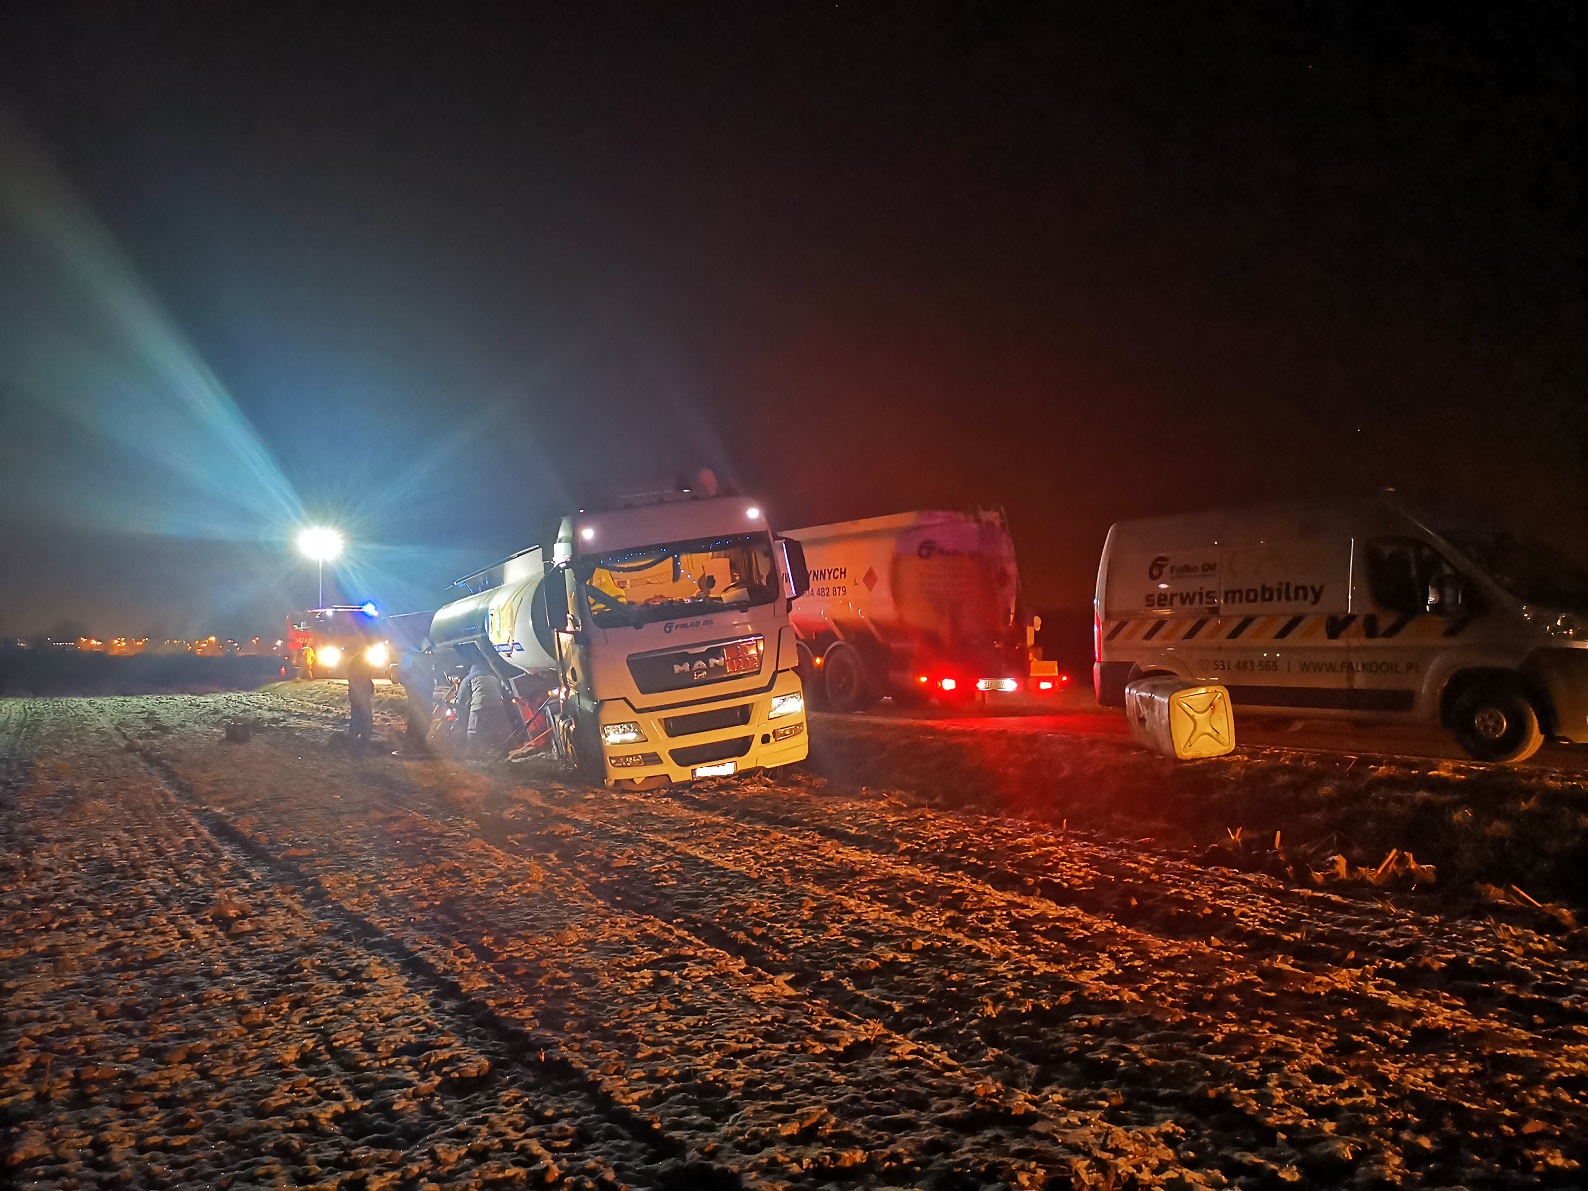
x=1352, y=610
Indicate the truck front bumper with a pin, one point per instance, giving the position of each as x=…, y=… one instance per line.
x=707, y=739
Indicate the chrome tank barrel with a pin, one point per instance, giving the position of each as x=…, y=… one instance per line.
x=503, y=619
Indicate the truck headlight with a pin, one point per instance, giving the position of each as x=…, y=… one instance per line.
x=784, y=705
x=331, y=655
x=377, y=655
x=626, y=733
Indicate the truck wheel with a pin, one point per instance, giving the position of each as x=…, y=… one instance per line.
x=588, y=760
x=1497, y=722
x=844, y=680
x=810, y=677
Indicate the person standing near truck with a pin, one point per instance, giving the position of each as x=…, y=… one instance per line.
x=480, y=707
x=418, y=674
x=360, y=700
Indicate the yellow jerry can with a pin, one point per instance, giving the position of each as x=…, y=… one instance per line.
x=1182, y=719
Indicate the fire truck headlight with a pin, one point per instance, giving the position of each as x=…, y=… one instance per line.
x=786, y=705
x=331, y=656
x=626, y=733
x=377, y=655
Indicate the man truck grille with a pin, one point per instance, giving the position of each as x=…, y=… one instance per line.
x=707, y=721
x=705, y=754
x=680, y=669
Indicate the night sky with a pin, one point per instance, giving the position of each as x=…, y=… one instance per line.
x=437, y=274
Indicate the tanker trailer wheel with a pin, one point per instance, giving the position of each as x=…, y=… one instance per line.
x=844, y=680
x=1496, y=721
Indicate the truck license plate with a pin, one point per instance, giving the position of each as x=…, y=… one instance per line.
x=722, y=770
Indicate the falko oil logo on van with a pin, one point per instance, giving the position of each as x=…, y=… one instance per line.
x=1188, y=583
x=1204, y=584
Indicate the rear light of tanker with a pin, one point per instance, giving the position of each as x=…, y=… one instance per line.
x=947, y=684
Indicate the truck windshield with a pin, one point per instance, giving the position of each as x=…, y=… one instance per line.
x=634, y=587
x=1530, y=571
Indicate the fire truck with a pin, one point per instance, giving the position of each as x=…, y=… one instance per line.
x=321, y=641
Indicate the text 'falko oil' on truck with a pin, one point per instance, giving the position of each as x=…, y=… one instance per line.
x=913, y=605
x=661, y=629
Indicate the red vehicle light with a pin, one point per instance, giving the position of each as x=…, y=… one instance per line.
x=947, y=684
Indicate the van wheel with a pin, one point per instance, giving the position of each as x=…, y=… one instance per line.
x=1497, y=722
x=844, y=680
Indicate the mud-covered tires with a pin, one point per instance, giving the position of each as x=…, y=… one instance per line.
x=1497, y=722
x=588, y=760
x=844, y=680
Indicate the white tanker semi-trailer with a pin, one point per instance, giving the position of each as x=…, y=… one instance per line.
x=913, y=605
x=662, y=628
x=504, y=623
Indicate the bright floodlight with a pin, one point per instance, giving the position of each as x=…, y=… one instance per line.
x=319, y=542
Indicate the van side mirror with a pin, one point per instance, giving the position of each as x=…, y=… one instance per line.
x=796, y=575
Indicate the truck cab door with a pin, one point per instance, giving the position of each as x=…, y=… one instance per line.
x=576, y=715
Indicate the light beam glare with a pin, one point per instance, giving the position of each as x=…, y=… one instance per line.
x=152, y=438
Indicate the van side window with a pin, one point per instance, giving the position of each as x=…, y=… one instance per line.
x=1409, y=576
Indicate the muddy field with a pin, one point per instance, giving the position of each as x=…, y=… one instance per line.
x=270, y=962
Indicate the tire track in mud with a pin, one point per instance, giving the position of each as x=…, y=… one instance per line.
x=1320, y=931
x=836, y=1099
x=663, y=1159
x=140, y=959
x=1214, y=1052
x=1433, y=1120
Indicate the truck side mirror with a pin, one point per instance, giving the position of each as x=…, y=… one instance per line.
x=796, y=575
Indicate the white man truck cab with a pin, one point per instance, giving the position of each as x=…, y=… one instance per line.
x=1352, y=610
x=671, y=635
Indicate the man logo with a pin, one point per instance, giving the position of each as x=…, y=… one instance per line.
x=1156, y=568
x=700, y=668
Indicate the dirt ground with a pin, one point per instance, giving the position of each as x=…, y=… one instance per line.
x=271, y=962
